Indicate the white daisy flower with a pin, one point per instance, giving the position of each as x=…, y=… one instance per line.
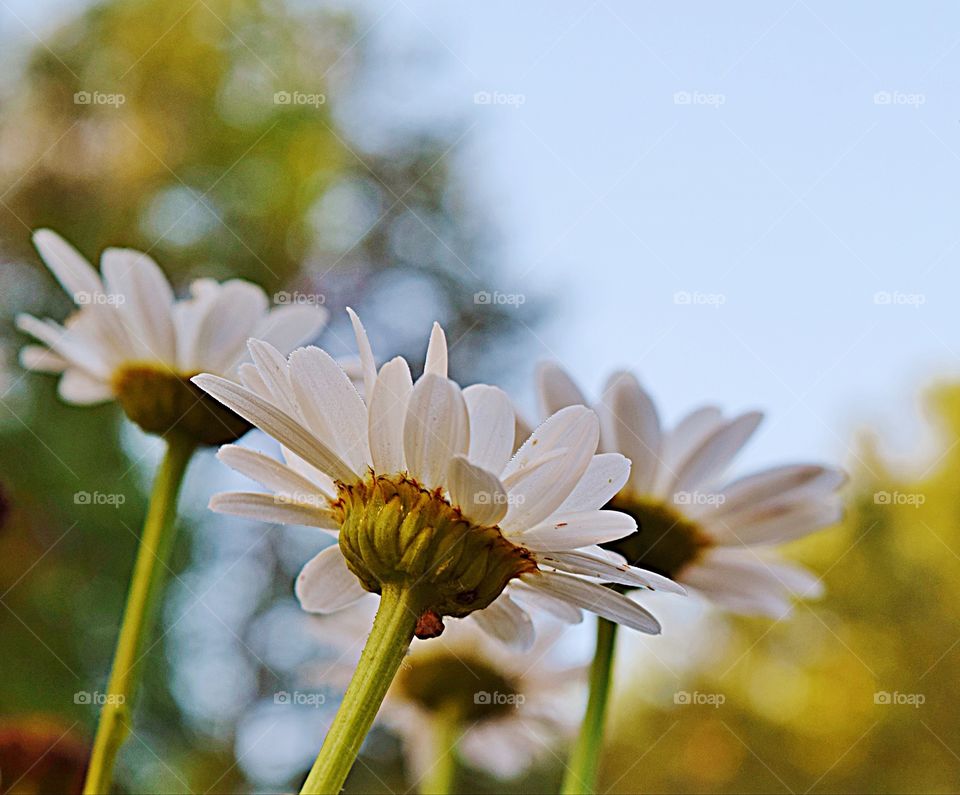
x=508, y=709
x=132, y=341
x=693, y=526
x=421, y=486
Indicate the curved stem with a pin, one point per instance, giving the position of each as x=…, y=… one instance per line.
x=446, y=727
x=581, y=775
x=388, y=643
x=156, y=542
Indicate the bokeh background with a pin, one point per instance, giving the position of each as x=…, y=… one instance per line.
x=750, y=204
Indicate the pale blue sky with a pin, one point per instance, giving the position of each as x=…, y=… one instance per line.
x=815, y=165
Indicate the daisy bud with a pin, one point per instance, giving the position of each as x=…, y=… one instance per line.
x=393, y=530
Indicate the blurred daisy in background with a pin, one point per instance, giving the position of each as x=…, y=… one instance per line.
x=693, y=525
x=464, y=697
x=131, y=340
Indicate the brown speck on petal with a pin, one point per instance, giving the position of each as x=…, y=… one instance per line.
x=429, y=625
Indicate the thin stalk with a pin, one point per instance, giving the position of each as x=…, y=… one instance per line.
x=156, y=542
x=581, y=775
x=446, y=727
x=388, y=643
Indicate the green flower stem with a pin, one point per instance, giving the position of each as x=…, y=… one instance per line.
x=388, y=643
x=447, y=726
x=581, y=776
x=156, y=542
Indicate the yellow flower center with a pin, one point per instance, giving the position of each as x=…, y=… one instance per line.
x=161, y=401
x=466, y=686
x=392, y=530
x=665, y=541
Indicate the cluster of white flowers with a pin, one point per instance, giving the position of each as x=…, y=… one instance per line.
x=418, y=484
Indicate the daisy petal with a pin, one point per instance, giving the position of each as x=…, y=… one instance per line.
x=78, y=387
x=326, y=585
x=492, y=426
x=387, y=403
x=780, y=484
x=715, y=453
x=541, y=600
x=68, y=265
x=274, y=372
x=276, y=423
x=286, y=327
x=273, y=508
x=631, y=426
x=573, y=530
x=557, y=389
x=606, y=474
x=331, y=404
x=538, y=491
x=42, y=360
x=225, y=326
x=148, y=298
x=601, y=567
x=596, y=598
x=435, y=430
x=506, y=621
x=677, y=445
x=271, y=473
x=436, y=362
x=775, y=523
x=478, y=493
x=367, y=363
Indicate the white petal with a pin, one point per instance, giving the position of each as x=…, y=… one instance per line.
x=478, y=493
x=272, y=474
x=331, y=405
x=250, y=377
x=326, y=584
x=42, y=360
x=492, y=426
x=540, y=600
x=226, y=326
x=273, y=508
x=744, y=584
x=276, y=423
x=573, y=530
x=677, y=445
x=286, y=327
x=780, y=484
x=68, y=265
x=596, y=598
x=367, y=362
x=436, y=352
x=775, y=523
x=274, y=372
x=76, y=349
x=506, y=621
x=570, y=427
x=82, y=389
x=631, y=426
x=601, y=567
x=715, y=453
x=147, y=305
x=436, y=429
x=557, y=389
x=605, y=475
x=388, y=411
x=537, y=493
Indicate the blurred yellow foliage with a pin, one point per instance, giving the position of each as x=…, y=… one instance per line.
x=851, y=694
